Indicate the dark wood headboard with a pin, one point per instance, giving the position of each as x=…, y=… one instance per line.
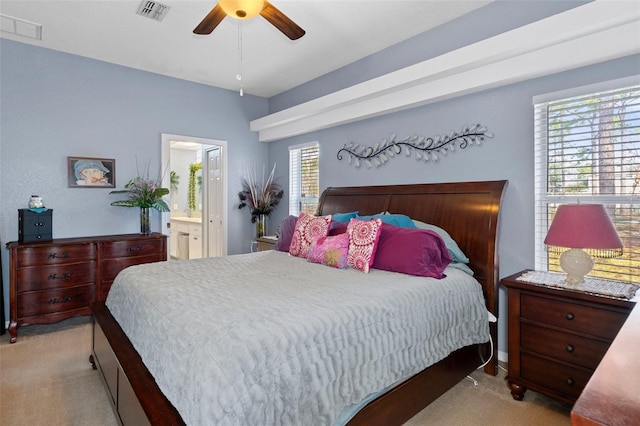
x=468, y=211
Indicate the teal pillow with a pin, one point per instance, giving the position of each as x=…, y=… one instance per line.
x=456, y=253
x=343, y=217
x=400, y=220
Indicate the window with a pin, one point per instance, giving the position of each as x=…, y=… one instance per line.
x=588, y=150
x=304, y=181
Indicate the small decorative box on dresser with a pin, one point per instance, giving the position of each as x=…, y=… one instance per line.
x=557, y=337
x=54, y=280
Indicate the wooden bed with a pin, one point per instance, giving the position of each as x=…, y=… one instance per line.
x=469, y=211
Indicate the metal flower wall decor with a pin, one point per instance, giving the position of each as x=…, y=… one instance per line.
x=422, y=148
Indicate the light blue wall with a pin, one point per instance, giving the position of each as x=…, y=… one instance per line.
x=55, y=105
x=506, y=111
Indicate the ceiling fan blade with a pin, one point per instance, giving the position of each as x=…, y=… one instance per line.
x=211, y=21
x=281, y=21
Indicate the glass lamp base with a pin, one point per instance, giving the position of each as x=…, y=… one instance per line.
x=576, y=263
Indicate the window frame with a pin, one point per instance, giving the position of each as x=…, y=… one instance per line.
x=295, y=179
x=544, y=199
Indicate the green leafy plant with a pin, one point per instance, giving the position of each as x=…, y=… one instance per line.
x=193, y=168
x=174, y=180
x=143, y=192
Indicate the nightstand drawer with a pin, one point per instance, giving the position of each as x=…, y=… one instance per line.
x=55, y=301
x=585, y=319
x=560, y=379
x=141, y=247
x=55, y=276
x=562, y=346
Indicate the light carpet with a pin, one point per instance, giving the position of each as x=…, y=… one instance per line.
x=46, y=379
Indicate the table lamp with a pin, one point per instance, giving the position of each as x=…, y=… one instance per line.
x=581, y=227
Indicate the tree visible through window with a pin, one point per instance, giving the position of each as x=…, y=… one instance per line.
x=588, y=151
x=304, y=182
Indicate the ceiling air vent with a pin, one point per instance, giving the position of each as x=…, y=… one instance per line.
x=153, y=9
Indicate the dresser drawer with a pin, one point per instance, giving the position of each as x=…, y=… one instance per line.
x=562, y=346
x=55, y=301
x=585, y=319
x=55, y=276
x=52, y=255
x=563, y=380
x=111, y=267
x=141, y=247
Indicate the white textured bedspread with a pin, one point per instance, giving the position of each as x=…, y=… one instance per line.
x=270, y=339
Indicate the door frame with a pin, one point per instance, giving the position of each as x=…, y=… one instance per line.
x=166, y=139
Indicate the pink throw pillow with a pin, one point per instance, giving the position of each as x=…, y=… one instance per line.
x=363, y=240
x=287, y=227
x=330, y=251
x=419, y=252
x=308, y=228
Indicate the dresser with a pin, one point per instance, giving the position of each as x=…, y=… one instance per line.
x=54, y=280
x=611, y=396
x=557, y=337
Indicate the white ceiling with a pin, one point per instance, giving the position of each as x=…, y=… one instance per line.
x=337, y=33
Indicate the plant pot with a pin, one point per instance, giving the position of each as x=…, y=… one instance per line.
x=261, y=226
x=145, y=221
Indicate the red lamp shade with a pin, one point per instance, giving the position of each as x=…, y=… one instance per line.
x=581, y=227
x=584, y=226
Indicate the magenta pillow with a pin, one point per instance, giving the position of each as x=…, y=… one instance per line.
x=363, y=240
x=330, y=251
x=337, y=228
x=287, y=226
x=308, y=228
x=418, y=252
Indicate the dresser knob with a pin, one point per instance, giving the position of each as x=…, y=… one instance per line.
x=569, y=316
x=570, y=348
x=570, y=381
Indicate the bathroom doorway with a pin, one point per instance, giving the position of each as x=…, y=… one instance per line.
x=196, y=178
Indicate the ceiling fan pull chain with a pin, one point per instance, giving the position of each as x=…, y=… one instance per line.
x=239, y=75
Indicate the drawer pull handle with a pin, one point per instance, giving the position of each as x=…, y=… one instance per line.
x=569, y=316
x=570, y=381
x=62, y=277
x=570, y=348
x=55, y=300
x=64, y=255
x=139, y=248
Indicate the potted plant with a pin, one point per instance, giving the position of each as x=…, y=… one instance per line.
x=146, y=194
x=260, y=197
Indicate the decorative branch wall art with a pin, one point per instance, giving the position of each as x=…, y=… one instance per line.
x=422, y=148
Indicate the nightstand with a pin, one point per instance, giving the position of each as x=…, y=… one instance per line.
x=267, y=242
x=557, y=337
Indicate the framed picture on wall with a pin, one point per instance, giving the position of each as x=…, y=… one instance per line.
x=87, y=172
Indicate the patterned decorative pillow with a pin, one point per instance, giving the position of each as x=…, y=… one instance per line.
x=330, y=251
x=363, y=241
x=307, y=228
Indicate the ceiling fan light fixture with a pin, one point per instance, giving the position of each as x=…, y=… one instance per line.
x=242, y=9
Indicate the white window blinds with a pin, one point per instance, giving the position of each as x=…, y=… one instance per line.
x=304, y=179
x=587, y=150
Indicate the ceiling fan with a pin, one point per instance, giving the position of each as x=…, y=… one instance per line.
x=247, y=9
